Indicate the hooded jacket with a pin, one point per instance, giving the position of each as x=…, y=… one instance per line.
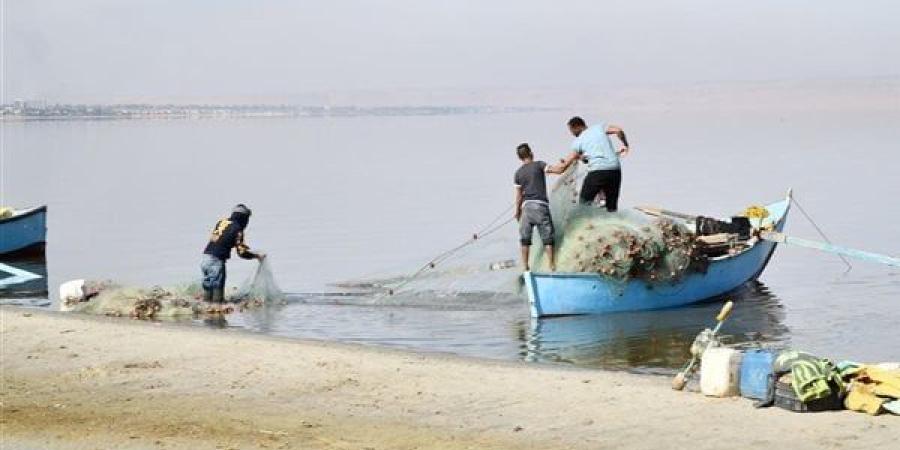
x=227, y=234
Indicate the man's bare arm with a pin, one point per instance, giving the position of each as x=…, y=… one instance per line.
x=620, y=133
x=519, y=199
x=564, y=164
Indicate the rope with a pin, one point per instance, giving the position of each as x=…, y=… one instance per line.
x=485, y=231
x=819, y=230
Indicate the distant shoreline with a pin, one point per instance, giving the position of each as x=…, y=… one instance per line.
x=840, y=95
x=183, y=112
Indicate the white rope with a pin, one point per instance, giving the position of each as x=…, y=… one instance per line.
x=819, y=230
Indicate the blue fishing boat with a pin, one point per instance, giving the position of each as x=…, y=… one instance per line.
x=24, y=231
x=566, y=293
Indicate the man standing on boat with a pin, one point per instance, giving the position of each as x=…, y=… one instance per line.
x=593, y=146
x=532, y=204
x=227, y=234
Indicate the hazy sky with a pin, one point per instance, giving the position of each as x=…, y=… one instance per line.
x=106, y=49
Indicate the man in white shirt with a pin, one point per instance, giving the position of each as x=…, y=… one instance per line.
x=593, y=146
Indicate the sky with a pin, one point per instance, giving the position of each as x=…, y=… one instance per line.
x=103, y=50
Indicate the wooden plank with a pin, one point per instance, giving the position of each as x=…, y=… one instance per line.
x=718, y=239
x=659, y=212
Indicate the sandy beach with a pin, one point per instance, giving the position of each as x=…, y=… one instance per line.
x=73, y=382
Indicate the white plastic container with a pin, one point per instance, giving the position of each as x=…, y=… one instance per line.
x=720, y=372
x=70, y=291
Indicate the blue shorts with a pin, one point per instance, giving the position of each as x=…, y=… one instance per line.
x=213, y=273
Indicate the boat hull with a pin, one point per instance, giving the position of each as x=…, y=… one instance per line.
x=24, y=231
x=553, y=294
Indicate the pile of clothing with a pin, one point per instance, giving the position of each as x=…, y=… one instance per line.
x=872, y=389
x=803, y=382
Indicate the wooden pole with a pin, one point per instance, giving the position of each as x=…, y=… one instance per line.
x=830, y=248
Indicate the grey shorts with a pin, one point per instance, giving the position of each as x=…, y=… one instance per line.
x=536, y=214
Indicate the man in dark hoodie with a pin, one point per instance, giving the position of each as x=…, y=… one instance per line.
x=227, y=234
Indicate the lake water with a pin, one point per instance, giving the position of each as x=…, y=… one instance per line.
x=354, y=198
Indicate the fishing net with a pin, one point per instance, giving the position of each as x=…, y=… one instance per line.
x=619, y=246
x=105, y=298
x=477, y=273
x=110, y=299
x=261, y=287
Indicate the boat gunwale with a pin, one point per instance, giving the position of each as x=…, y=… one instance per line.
x=23, y=214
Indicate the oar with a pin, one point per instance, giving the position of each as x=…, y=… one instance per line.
x=782, y=238
x=702, y=343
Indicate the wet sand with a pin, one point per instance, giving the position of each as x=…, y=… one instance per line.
x=73, y=382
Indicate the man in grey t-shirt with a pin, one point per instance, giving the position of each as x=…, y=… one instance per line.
x=532, y=204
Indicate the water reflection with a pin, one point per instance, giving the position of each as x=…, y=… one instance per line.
x=263, y=319
x=23, y=279
x=652, y=341
x=215, y=320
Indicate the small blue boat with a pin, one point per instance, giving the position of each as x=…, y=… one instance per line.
x=560, y=293
x=24, y=231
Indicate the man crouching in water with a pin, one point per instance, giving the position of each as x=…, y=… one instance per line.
x=532, y=204
x=227, y=234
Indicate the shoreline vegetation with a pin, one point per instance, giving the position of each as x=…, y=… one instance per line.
x=72, y=381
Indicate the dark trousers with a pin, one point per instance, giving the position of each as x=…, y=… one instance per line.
x=606, y=181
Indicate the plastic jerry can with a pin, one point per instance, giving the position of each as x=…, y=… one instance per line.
x=720, y=372
x=756, y=366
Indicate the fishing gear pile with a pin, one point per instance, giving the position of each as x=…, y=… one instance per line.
x=106, y=298
x=619, y=246
x=111, y=299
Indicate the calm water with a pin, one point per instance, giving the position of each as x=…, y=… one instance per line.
x=339, y=199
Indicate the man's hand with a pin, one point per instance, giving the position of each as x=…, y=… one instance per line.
x=564, y=163
x=518, y=215
x=624, y=151
x=260, y=256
